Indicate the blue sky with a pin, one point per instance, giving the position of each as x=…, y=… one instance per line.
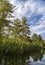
x=34, y=11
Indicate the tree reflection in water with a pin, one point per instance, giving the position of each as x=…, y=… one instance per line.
x=31, y=61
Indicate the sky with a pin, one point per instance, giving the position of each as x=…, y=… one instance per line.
x=34, y=11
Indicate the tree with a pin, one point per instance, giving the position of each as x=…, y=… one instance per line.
x=37, y=40
x=34, y=38
x=21, y=29
x=25, y=29
x=40, y=40
x=20, y=40
x=6, y=10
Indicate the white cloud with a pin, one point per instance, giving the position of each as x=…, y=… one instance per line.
x=38, y=28
x=12, y=1
x=23, y=8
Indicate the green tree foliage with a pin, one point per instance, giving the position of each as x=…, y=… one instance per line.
x=21, y=29
x=37, y=40
x=40, y=40
x=6, y=10
x=34, y=38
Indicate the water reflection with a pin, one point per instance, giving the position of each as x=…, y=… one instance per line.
x=30, y=62
x=38, y=62
x=43, y=58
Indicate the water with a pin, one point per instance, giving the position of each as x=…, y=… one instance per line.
x=38, y=62
x=43, y=58
x=32, y=62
